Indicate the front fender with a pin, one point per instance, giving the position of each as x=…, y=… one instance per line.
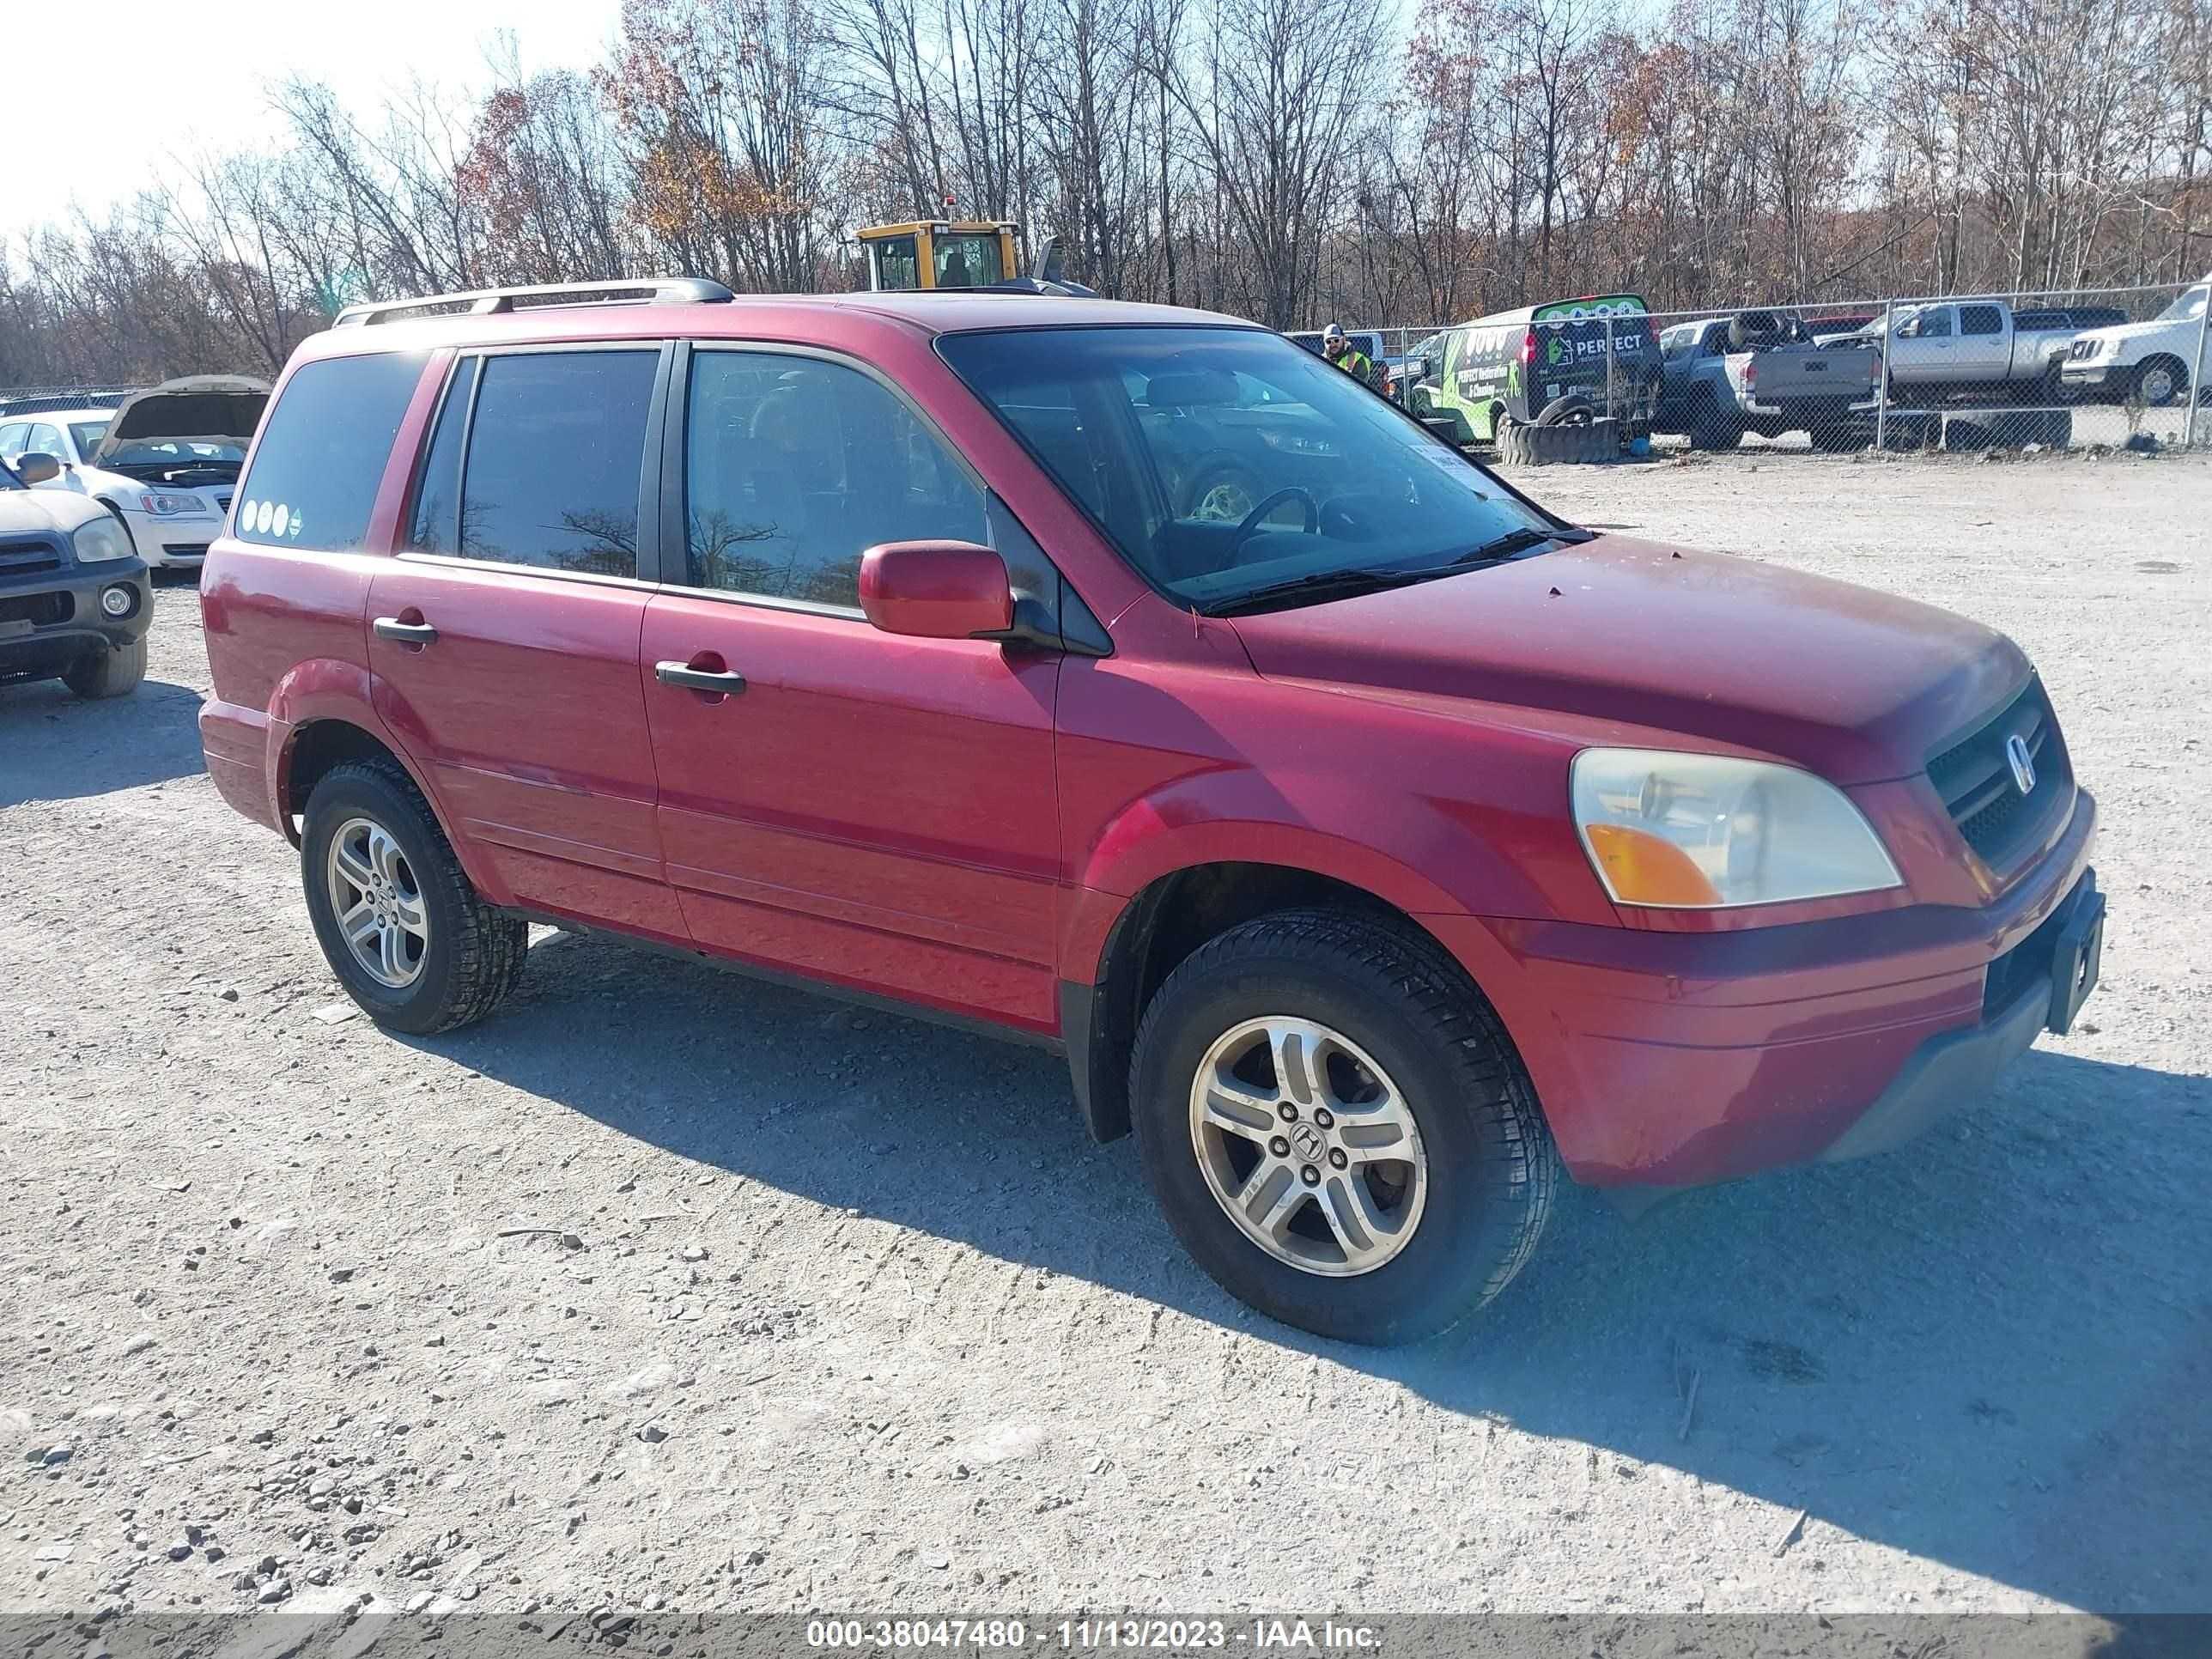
x=1423, y=857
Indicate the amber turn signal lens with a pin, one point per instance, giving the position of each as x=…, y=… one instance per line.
x=1643, y=869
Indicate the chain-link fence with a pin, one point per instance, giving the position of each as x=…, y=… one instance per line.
x=2039, y=368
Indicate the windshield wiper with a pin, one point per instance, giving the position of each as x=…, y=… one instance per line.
x=1344, y=584
x=1317, y=584
x=1505, y=546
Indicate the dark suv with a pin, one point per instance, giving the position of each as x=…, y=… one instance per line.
x=1377, y=853
x=73, y=598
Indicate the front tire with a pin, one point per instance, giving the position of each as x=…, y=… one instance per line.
x=406, y=933
x=2161, y=382
x=1406, y=1173
x=112, y=673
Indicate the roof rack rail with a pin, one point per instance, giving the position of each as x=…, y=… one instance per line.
x=485, y=301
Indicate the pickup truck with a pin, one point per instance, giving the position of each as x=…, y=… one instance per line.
x=2151, y=361
x=1722, y=378
x=1943, y=349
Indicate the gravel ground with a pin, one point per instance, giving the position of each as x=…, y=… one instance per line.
x=664, y=1284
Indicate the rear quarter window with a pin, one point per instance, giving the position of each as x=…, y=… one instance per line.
x=323, y=451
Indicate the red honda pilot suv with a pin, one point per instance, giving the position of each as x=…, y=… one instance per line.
x=1374, y=844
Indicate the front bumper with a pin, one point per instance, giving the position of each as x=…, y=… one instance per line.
x=51, y=621
x=2040, y=986
x=2092, y=375
x=171, y=543
x=1668, y=1059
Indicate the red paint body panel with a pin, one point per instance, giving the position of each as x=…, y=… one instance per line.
x=871, y=809
x=529, y=715
x=1748, y=658
x=961, y=825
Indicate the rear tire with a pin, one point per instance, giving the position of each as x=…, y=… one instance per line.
x=471, y=955
x=1713, y=427
x=1487, y=1171
x=113, y=673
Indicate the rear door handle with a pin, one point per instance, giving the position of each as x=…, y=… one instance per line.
x=698, y=679
x=391, y=627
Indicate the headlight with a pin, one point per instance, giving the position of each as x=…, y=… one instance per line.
x=170, y=506
x=99, y=539
x=1297, y=443
x=1705, y=831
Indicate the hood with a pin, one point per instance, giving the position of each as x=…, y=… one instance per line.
x=2117, y=332
x=197, y=409
x=1854, y=685
x=33, y=512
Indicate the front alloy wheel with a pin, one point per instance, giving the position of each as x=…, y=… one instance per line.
x=1307, y=1146
x=1337, y=1127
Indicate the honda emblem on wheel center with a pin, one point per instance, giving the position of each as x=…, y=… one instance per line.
x=2022, y=762
x=1308, y=1141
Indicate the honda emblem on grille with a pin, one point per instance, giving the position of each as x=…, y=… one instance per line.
x=2022, y=762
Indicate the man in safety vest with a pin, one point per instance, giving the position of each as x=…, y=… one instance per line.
x=1349, y=358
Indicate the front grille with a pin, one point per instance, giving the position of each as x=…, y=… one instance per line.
x=39, y=610
x=22, y=557
x=2084, y=348
x=223, y=500
x=1975, y=778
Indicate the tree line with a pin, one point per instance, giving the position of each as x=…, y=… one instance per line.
x=1290, y=161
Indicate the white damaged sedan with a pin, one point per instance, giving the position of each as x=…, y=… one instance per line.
x=164, y=461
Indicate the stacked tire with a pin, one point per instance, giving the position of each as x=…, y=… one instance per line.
x=1563, y=443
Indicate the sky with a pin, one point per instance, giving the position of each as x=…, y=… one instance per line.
x=132, y=83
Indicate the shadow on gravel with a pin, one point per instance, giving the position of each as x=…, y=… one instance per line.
x=1992, y=1349
x=56, y=746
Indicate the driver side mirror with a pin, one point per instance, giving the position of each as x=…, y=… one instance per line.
x=936, y=590
x=35, y=466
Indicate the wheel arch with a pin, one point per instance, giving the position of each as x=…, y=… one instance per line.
x=1154, y=931
x=306, y=752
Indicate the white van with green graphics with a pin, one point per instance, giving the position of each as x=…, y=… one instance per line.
x=1582, y=360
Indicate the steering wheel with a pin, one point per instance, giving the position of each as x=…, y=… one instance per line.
x=1252, y=519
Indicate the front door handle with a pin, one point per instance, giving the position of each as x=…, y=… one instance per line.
x=698, y=679
x=407, y=633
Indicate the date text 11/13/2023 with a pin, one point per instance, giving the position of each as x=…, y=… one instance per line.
x=1278, y=1635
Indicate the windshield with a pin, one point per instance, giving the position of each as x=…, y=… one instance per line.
x=2187, y=308
x=1222, y=460
x=172, y=452
x=87, y=434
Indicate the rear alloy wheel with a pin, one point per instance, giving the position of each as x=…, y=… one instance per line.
x=408, y=936
x=1338, y=1129
x=379, y=903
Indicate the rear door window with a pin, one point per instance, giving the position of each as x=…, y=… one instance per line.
x=554, y=451
x=1980, y=320
x=323, y=452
